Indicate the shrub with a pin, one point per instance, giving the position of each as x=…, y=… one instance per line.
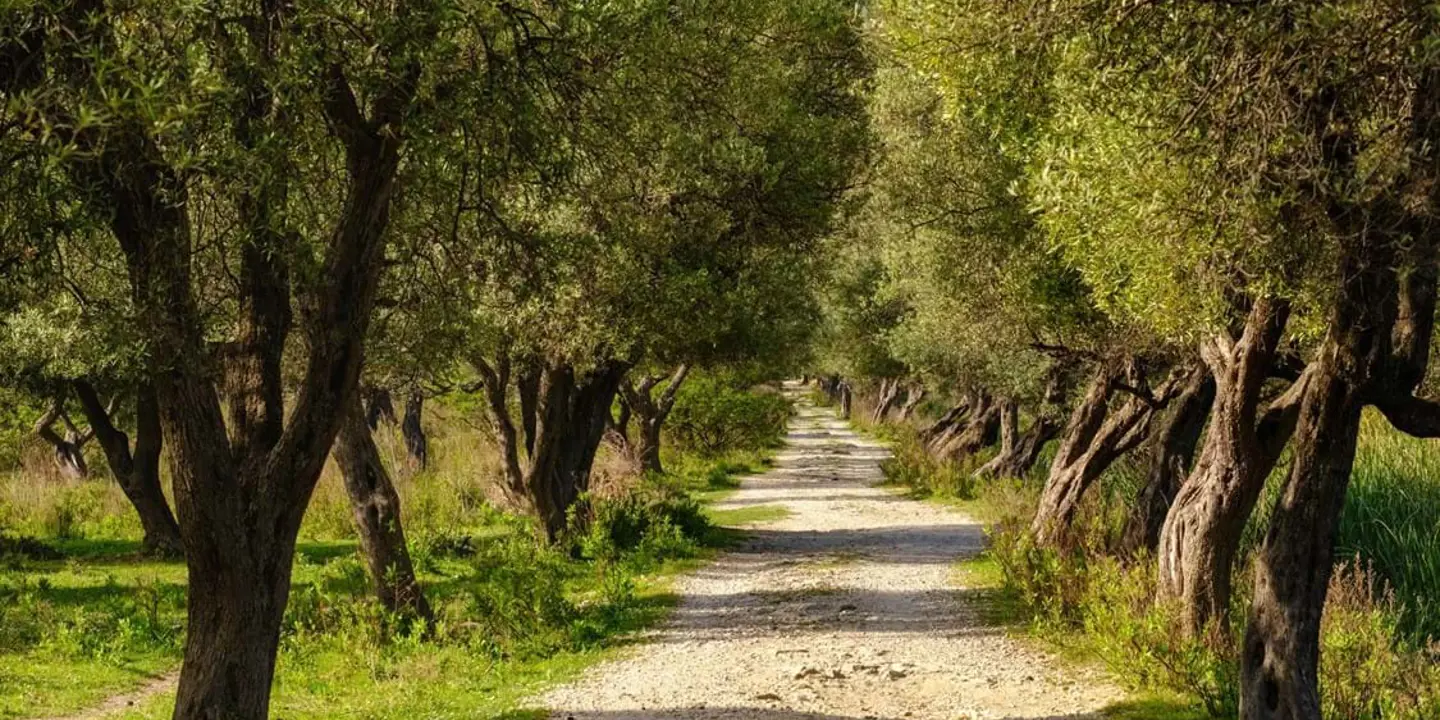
x=712, y=416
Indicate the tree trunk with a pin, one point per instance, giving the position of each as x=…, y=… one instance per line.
x=137, y=472
x=1095, y=439
x=913, y=398
x=1042, y=431
x=1201, y=533
x=417, y=446
x=939, y=428
x=1009, y=412
x=377, y=519
x=1172, y=449
x=982, y=431
x=845, y=399
x=379, y=406
x=650, y=413
x=572, y=414
x=68, y=449
x=885, y=401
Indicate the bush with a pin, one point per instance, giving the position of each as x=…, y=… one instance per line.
x=911, y=466
x=643, y=527
x=711, y=416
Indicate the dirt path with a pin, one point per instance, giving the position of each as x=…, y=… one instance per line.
x=845, y=609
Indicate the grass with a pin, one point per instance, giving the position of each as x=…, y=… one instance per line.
x=89, y=618
x=748, y=515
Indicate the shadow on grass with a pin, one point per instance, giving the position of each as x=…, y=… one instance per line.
x=1154, y=709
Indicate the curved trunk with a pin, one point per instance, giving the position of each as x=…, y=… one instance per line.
x=572, y=416
x=1201, y=533
x=1172, y=449
x=885, y=401
x=137, y=472
x=377, y=519
x=417, y=446
x=939, y=428
x=982, y=431
x=1095, y=439
x=1027, y=451
x=650, y=411
x=913, y=398
x=1009, y=412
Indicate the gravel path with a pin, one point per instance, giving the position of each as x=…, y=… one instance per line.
x=845, y=609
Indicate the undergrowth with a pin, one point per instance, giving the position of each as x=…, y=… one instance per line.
x=1376, y=659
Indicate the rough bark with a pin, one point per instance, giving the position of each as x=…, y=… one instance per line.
x=1202, y=530
x=379, y=406
x=137, y=470
x=376, y=506
x=982, y=430
x=417, y=446
x=68, y=449
x=1172, y=445
x=845, y=400
x=1009, y=411
x=885, y=400
x=650, y=412
x=1376, y=351
x=940, y=427
x=1094, y=439
x=913, y=397
x=572, y=412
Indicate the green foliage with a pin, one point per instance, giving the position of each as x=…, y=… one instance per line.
x=1085, y=598
x=711, y=415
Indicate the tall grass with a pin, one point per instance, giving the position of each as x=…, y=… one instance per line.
x=1392, y=520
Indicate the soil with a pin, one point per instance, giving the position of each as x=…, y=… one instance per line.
x=847, y=608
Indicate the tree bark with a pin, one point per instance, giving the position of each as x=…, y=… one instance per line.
x=885, y=401
x=913, y=397
x=417, y=446
x=1095, y=438
x=1009, y=412
x=1203, y=528
x=650, y=413
x=845, y=400
x=376, y=505
x=982, y=430
x=379, y=406
x=1172, y=447
x=571, y=416
x=68, y=449
x=136, y=471
x=932, y=433
x=241, y=490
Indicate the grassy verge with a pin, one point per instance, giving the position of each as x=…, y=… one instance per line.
x=86, y=619
x=1091, y=606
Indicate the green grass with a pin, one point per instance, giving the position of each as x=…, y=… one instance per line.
x=102, y=621
x=1154, y=707
x=747, y=515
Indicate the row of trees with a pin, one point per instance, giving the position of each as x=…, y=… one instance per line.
x=219, y=220
x=1203, y=228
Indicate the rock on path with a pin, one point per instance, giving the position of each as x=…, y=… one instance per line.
x=845, y=609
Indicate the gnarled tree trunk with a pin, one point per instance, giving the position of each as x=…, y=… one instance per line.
x=932, y=433
x=379, y=406
x=68, y=449
x=138, y=471
x=1172, y=446
x=982, y=430
x=913, y=397
x=1202, y=531
x=885, y=400
x=572, y=413
x=1009, y=411
x=650, y=412
x=1095, y=438
x=376, y=506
